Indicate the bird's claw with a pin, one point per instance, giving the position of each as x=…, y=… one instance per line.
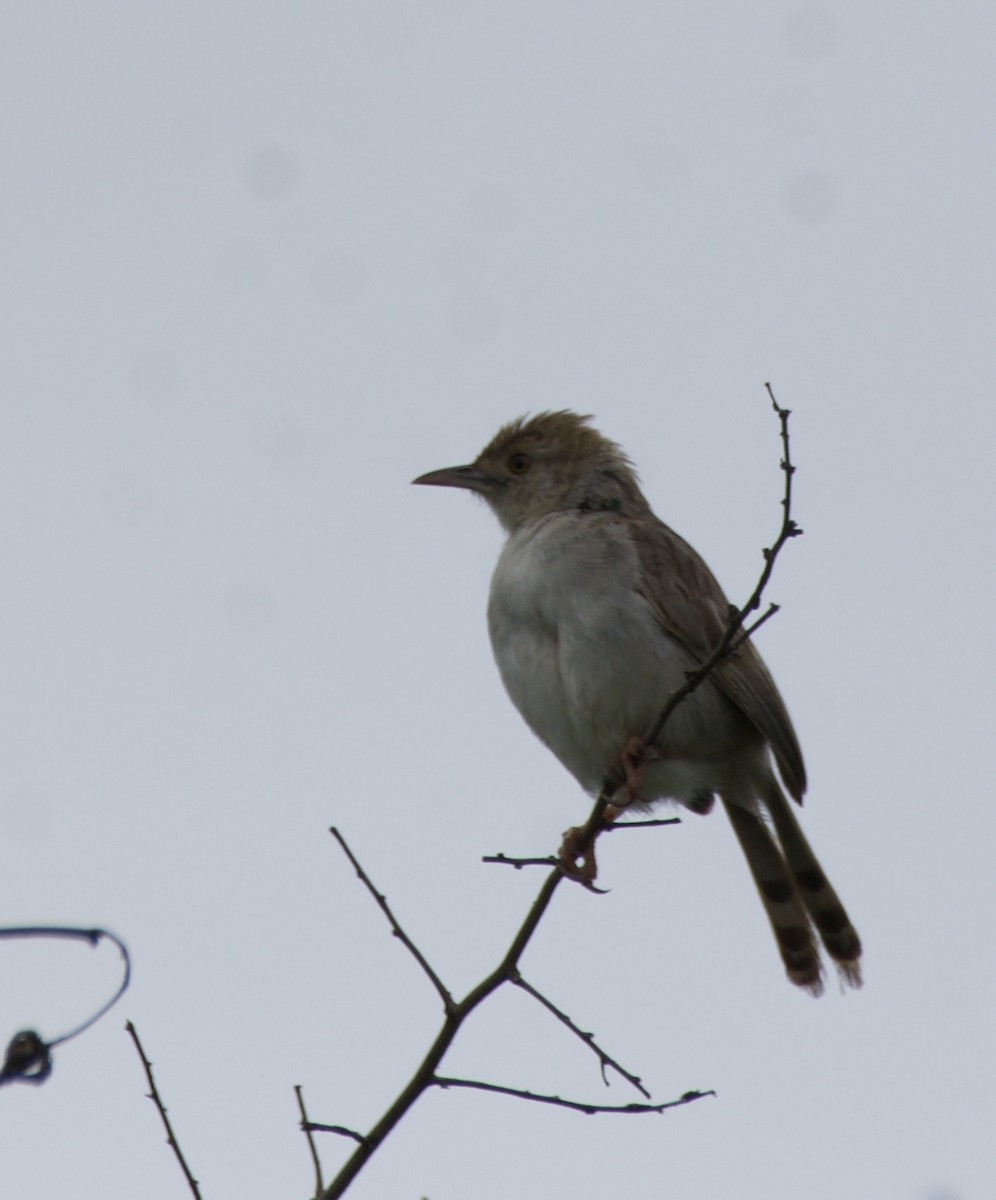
x=576, y=856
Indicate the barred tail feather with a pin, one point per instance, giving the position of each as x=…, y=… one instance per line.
x=780, y=897
x=818, y=896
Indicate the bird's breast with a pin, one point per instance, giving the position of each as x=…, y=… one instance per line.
x=579, y=651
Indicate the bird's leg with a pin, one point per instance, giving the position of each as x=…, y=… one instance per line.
x=633, y=760
x=576, y=856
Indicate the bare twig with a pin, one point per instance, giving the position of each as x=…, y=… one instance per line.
x=576, y=1105
x=341, y=1130
x=749, y=632
x=788, y=530
x=157, y=1101
x=519, y=863
x=650, y=823
x=306, y=1126
x=396, y=929
x=588, y=1038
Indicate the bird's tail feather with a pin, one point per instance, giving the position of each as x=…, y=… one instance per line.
x=821, y=902
x=789, y=920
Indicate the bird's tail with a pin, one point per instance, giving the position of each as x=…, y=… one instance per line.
x=822, y=903
x=795, y=893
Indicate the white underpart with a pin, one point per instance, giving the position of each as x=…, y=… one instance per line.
x=588, y=666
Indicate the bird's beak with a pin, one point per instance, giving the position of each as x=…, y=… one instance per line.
x=470, y=477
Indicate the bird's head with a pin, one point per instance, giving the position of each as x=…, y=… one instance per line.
x=549, y=463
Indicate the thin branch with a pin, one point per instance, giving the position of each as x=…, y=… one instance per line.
x=396, y=929
x=604, y=1059
x=788, y=530
x=306, y=1126
x=157, y=1101
x=505, y=860
x=650, y=823
x=519, y=863
x=749, y=632
x=341, y=1130
x=577, y=1105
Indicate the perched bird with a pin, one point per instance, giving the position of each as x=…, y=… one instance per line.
x=597, y=610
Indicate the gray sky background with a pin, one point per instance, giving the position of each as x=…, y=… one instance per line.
x=261, y=264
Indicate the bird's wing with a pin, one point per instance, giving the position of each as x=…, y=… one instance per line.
x=692, y=609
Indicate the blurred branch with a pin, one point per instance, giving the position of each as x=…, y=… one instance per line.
x=29, y=1056
x=651, y=823
x=27, y=1059
x=306, y=1126
x=341, y=1130
x=157, y=1101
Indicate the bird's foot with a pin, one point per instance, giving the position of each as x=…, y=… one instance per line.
x=576, y=856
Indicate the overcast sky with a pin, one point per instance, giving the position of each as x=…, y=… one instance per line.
x=261, y=264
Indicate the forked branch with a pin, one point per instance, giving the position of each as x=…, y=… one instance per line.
x=455, y=1014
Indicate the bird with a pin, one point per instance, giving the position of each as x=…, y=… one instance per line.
x=596, y=612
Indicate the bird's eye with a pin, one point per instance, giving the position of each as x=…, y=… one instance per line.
x=518, y=464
